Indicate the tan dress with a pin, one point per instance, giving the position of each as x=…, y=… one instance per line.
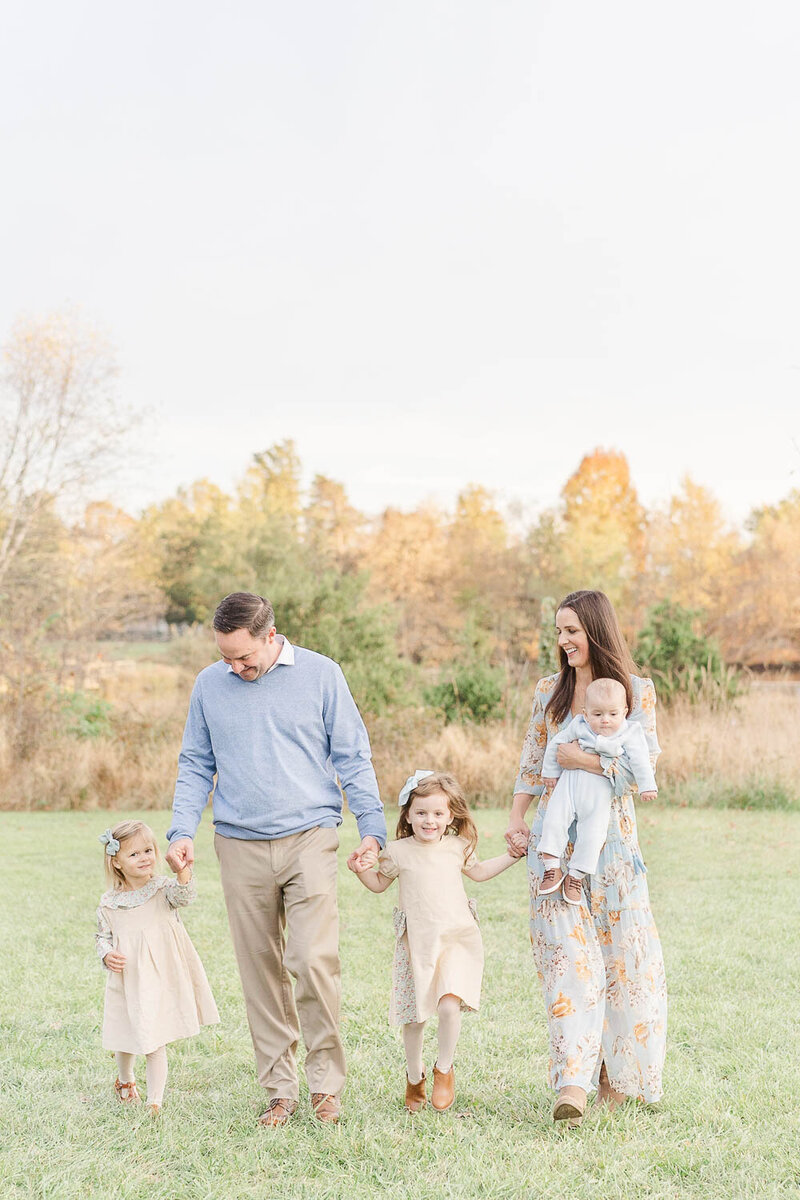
x=438, y=951
x=162, y=994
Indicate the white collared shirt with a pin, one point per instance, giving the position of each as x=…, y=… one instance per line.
x=285, y=658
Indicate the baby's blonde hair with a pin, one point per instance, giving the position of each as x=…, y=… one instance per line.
x=610, y=688
x=122, y=832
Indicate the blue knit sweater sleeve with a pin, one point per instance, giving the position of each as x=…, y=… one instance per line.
x=196, y=769
x=352, y=758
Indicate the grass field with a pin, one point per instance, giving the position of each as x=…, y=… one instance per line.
x=725, y=888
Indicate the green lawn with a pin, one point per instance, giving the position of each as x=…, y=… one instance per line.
x=725, y=888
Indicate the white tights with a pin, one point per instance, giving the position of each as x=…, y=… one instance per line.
x=156, y=1072
x=449, y=1012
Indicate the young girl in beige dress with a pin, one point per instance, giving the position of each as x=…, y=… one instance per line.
x=438, y=961
x=156, y=990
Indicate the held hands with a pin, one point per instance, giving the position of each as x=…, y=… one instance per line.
x=364, y=857
x=517, y=845
x=180, y=856
x=517, y=836
x=115, y=961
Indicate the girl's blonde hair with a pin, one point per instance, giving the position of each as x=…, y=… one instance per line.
x=461, y=825
x=122, y=832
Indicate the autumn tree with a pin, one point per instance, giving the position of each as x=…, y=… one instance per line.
x=691, y=551
x=760, y=620
x=61, y=426
x=406, y=556
x=596, y=537
x=333, y=529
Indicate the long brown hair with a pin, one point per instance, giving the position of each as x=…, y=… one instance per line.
x=461, y=825
x=609, y=656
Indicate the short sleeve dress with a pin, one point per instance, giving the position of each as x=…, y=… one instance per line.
x=438, y=947
x=162, y=994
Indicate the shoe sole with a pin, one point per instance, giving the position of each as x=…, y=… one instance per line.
x=567, y=1111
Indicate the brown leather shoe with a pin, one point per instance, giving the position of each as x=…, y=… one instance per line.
x=326, y=1107
x=572, y=890
x=551, y=880
x=277, y=1112
x=415, y=1094
x=570, y=1104
x=444, y=1089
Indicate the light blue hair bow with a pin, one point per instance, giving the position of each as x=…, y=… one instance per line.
x=110, y=842
x=410, y=784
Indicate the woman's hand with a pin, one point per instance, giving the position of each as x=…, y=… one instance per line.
x=572, y=758
x=517, y=829
x=517, y=833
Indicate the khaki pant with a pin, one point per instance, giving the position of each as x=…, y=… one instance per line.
x=281, y=902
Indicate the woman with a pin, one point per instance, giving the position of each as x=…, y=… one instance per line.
x=600, y=964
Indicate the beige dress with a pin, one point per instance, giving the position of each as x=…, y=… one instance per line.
x=438, y=951
x=162, y=994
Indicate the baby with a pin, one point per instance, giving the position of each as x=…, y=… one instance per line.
x=584, y=797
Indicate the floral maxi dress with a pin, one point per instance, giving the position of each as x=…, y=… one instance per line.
x=600, y=963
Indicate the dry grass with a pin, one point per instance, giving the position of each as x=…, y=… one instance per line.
x=741, y=757
x=753, y=740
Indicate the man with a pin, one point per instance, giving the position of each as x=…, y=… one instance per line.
x=277, y=724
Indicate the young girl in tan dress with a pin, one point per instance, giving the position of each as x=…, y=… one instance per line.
x=156, y=990
x=438, y=961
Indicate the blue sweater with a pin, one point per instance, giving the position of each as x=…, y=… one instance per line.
x=277, y=745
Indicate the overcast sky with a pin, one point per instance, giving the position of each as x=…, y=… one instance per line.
x=434, y=243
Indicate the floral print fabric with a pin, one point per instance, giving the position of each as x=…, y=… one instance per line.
x=600, y=963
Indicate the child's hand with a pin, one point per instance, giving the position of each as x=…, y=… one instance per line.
x=647, y=795
x=115, y=961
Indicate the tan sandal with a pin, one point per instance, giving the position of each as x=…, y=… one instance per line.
x=131, y=1095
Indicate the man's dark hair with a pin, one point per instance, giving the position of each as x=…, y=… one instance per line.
x=244, y=610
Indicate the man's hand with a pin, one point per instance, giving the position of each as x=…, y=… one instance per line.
x=369, y=846
x=181, y=854
x=115, y=961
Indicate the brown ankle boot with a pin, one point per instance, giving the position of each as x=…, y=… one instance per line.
x=415, y=1094
x=570, y=1104
x=444, y=1089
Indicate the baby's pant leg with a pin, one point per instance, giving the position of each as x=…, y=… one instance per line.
x=559, y=816
x=592, y=797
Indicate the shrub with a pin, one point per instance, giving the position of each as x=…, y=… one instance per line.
x=474, y=693
x=682, y=660
x=85, y=716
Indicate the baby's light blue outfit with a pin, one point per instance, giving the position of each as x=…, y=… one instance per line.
x=584, y=797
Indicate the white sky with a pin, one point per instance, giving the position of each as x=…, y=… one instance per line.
x=434, y=243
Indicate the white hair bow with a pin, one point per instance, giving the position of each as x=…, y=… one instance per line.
x=410, y=784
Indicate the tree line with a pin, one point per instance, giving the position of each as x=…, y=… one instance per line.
x=407, y=601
